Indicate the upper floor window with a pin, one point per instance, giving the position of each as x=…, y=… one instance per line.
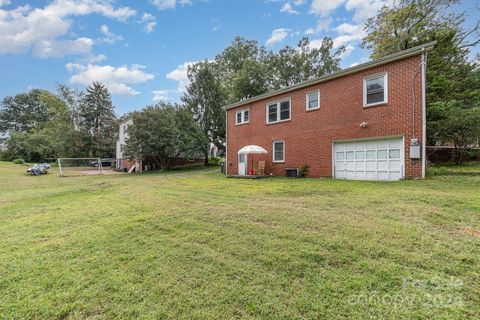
x=375, y=90
x=242, y=116
x=278, y=111
x=313, y=100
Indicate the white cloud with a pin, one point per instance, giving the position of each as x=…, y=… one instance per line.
x=277, y=36
x=4, y=2
x=110, y=37
x=287, y=8
x=117, y=79
x=168, y=4
x=348, y=33
x=58, y=49
x=364, y=9
x=150, y=22
x=42, y=30
x=322, y=24
x=160, y=95
x=323, y=8
x=180, y=74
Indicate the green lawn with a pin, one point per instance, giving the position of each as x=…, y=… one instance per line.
x=195, y=245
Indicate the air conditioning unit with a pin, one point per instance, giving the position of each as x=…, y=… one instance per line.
x=291, y=172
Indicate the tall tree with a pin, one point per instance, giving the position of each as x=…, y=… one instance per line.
x=72, y=99
x=451, y=75
x=98, y=121
x=242, y=70
x=24, y=112
x=205, y=98
x=294, y=65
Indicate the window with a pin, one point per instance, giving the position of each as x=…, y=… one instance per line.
x=340, y=155
x=313, y=100
x=242, y=116
x=375, y=90
x=350, y=155
x=125, y=129
x=394, y=153
x=371, y=154
x=278, y=111
x=382, y=154
x=278, y=151
x=360, y=155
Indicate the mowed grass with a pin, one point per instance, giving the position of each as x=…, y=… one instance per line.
x=195, y=245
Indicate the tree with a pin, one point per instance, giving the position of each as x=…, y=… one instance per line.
x=294, y=65
x=451, y=77
x=98, y=123
x=72, y=99
x=163, y=132
x=457, y=125
x=24, y=112
x=205, y=99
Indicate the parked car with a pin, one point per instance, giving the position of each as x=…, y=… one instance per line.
x=105, y=163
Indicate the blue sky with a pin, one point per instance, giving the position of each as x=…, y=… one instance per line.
x=141, y=49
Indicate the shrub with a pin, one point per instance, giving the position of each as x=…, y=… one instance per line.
x=303, y=171
x=19, y=161
x=215, y=160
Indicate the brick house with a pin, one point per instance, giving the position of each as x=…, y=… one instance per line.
x=365, y=122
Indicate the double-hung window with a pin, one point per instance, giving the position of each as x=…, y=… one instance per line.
x=278, y=151
x=313, y=100
x=278, y=111
x=375, y=90
x=242, y=116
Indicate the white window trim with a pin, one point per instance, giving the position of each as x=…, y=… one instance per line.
x=385, y=96
x=273, y=151
x=307, y=101
x=243, y=116
x=278, y=102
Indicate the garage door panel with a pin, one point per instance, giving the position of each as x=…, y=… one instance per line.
x=372, y=166
x=382, y=165
x=395, y=166
x=360, y=166
x=380, y=159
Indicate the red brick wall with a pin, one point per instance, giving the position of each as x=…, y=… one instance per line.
x=308, y=135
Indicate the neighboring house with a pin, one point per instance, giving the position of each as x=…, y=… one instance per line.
x=365, y=122
x=122, y=160
x=3, y=147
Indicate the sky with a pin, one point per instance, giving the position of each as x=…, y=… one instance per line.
x=141, y=49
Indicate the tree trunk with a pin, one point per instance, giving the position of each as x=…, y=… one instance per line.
x=206, y=158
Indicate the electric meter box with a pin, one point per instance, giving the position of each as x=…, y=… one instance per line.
x=414, y=149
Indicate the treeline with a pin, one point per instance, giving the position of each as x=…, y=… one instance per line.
x=39, y=125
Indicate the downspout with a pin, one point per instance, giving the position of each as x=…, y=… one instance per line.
x=226, y=142
x=424, y=115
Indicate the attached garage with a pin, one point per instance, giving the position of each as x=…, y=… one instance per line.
x=379, y=159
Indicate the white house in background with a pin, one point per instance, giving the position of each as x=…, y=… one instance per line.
x=122, y=162
x=3, y=147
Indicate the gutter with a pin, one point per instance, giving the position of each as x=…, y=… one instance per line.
x=390, y=58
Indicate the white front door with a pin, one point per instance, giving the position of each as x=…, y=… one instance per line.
x=242, y=164
x=381, y=159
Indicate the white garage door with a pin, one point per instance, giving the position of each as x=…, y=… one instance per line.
x=381, y=159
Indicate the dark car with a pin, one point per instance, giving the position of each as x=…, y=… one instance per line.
x=105, y=163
